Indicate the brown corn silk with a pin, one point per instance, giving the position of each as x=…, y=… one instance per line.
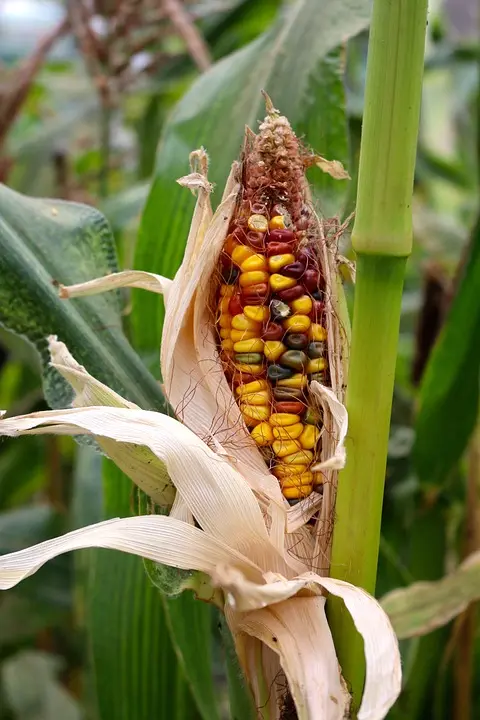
x=277, y=315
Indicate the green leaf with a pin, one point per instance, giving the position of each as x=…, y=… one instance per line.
x=296, y=61
x=449, y=395
x=43, y=242
x=424, y=606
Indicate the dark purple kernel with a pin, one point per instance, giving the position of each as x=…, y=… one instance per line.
x=230, y=274
x=291, y=293
x=310, y=280
x=282, y=236
x=294, y=270
x=296, y=341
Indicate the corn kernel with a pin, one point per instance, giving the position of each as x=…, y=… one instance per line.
x=297, y=480
x=277, y=222
x=290, y=432
x=261, y=412
x=280, y=282
x=224, y=305
x=230, y=244
x=317, y=333
x=288, y=471
x=282, y=448
x=299, y=458
x=241, y=253
x=254, y=262
x=303, y=304
x=254, y=386
x=258, y=398
x=275, y=262
x=241, y=322
x=256, y=312
x=297, y=323
x=254, y=345
x=273, y=349
x=225, y=321
x=318, y=478
x=296, y=381
x=258, y=223
x=297, y=492
x=250, y=369
x=316, y=365
x=251, y=422
x=238, y=335
x=309, y=437
x=253, y=277
x=227, y=345
x=262, y=434
x=227, y=290
x=283, y=419
x=225, y=333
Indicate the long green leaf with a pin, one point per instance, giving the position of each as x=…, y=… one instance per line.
x=298, y=64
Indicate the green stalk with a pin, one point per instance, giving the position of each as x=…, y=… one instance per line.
x=382, y=239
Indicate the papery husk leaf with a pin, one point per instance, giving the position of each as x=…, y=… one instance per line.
x=126, y=279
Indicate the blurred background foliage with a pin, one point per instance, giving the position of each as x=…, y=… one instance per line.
x=88, y=90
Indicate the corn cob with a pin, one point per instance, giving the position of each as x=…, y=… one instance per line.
x=270, y=309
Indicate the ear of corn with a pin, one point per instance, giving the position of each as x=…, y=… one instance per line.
x=270, y=307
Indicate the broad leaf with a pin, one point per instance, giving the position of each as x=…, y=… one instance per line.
x=298, y=64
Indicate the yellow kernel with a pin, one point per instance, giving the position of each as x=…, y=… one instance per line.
x=297, y=492
x=288, y=471
x=262, y=434
x=275, y=262
x=318, y=478
x=283, y=419
x=303, y=304
x=257, y=398
x=223, y=305
x=250, y=369
x=227, y=345
x=316, y=365
x=241, y=322
x=249, y=346
x=280, y=282
x=256, y=312
x=253, y=277
x=317, y=333
x=254, y=386
x=309, y=437
x=241, y=253
x=259, y=223
x=297, y=323
x=297, y=480
x=227, y=290
x=225, y=321
x=277, y=222
x=282, y=448
x=273, y=349
x=261, y=412
x=290, y=432
x=299, y=458
x=238, y=335
x=254, y=262
x=296, y=381
x=225, y=333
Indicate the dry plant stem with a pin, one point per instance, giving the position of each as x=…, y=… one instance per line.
x=382, y=238
x=194, y=41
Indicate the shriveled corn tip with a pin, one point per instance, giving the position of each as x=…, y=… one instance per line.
x=303, y=304
x=258, y=223
x=283, y=419
x=317, y=333
x=282, y=448
x=241, y=253
x=225, y=321
x=227, y=290
x=238, y=335
x=309, y=437
x=280, y=282
x=250, y=369
x=316, y=365
x=255, y=345
x=262, y=434
x=276, y=262
x=287, y=471
x=256, y=412
x=299, y=458
x=277, y=222
x=253, y=277
x=299, y=380
x=290, y=432
x=256, y=313
x=254, y=262
x=242, y=322
x=273, y=349
x=257, y=398
x=305, y=478
x=297, y=323
x=251, y=387
x=297, y=492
